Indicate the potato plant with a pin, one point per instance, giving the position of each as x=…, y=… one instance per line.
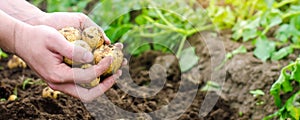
x=288, y=80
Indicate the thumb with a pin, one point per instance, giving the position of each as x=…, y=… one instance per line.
x=71, y=51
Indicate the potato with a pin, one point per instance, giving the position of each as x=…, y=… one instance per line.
x=48, y=92
x=94, y=82
x=109, y=50
x=71, y=33
x=77, y=43
x=12, y=98
x=93, y=36
x=16, y=62
x=92, y=39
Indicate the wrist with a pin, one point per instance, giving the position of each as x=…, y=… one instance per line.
x=20, y=35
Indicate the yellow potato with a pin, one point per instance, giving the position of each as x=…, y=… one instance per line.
x=48, y=92
x=93, y=36
x=109, y=50
x=94, y=82
x=12, y=98
x=71, y=33
x=16, y=62
x=77, y=43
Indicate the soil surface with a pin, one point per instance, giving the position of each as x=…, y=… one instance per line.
x=127, y=100
x=30, y=104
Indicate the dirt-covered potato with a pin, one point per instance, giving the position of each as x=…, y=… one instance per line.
x=94, y=82
x=16, y=62
x=71, y=33
x=48, y=92
x=109, y=50
x=93, y=36
x=12, y=98
x=77, y=43
x=92, y=39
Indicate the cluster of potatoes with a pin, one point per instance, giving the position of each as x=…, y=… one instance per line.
x=92, y=39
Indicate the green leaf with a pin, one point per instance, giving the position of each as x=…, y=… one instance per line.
x=239, y=50
x=276, y=20
x=140, y=20
x=211, y=86
x=256, y=93
x=188, y=59
x=3, y=54
x=249, y=34
x=296, y=72
x=264, y=48
x=292, y=106
x=275, y=89
x=282, y=53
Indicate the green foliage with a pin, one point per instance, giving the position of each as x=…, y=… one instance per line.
x=153, y=25
x=291, y=108
x=225, y=15
x=188, y=59
x=30, y=81
x=240, y=50
x=3, y=54
x=63, y=5
x=285, y=15
x=257, y=93
x=211, y=86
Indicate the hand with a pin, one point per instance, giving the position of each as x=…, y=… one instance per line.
x=43, y=48
x=59, y=20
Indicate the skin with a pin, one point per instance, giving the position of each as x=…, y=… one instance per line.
x=24, y=26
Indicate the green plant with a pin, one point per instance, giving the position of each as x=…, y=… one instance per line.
x=211, y=86
x=2, y=99
x=257, y=93
x=30, y=81
x=240, y=50
x=232, y=10
x=288, y=80
x=63, y=5
x=285, y=15
x=164, y=27
x=3, y=54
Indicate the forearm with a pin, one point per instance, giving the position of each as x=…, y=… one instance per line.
x=22, y=10
x=9, y=29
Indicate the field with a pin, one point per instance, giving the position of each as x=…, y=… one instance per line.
x=202, y=60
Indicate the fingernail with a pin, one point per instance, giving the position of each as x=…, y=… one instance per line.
x=88, y=57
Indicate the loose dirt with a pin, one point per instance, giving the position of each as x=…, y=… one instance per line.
x=244, y=72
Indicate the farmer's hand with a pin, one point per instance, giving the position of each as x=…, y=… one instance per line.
x=59, y=20
x=43, y=48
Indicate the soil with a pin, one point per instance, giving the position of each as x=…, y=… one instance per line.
x=30, y=104
x=243, y=73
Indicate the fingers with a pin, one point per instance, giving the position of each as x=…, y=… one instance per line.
x=69, y=50
x=65, y=74
x=86, y=95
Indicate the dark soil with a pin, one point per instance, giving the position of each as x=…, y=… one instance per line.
x=243, y=73
x=30, y=104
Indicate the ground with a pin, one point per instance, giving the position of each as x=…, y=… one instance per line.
x=242, y=73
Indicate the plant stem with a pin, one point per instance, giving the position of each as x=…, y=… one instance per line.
x=150, y=35
x=252, y=7
x=195, y=30
x=289, y=14
x=163, y=17
x=294, y=46
x=282, y=3
x=181, y=46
